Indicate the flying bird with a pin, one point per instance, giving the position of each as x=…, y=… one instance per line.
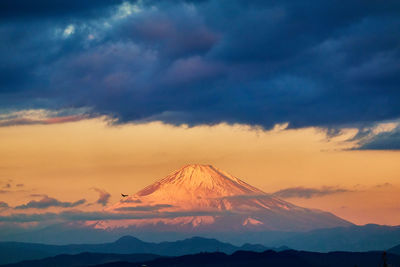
x=123, y=195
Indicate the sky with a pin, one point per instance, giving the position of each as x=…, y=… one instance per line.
x=105, y=97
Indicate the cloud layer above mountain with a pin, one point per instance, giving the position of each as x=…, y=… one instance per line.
x=306, y=192
x=326, y=64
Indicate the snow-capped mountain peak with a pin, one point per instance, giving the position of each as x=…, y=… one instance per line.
x=200, y=179
x=198, y=196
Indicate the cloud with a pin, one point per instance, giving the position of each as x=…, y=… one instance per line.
x=384, y=185
x=104, y=196
x=47, y=202
x=7, y=185
x=145, y=208
x=76, y=215
x=248, y=196
x=44, y=117
x=19, y=185
x=329, y=64
x=388, y=140
x=305, y=192
x=131, y=201
x=48, y=8
x=3, y=205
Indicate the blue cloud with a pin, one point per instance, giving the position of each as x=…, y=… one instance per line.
x=327, y=64
x=383, y=141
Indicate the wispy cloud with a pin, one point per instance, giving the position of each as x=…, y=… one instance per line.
x=3, y=205
x=307, y=192
x=41, y=116
x=78, y=215
x=47, y=202
x=104, y=196
x=131, y=200
x=248, y=196
x=384, y=140
x=384, y=185
x=145, y=208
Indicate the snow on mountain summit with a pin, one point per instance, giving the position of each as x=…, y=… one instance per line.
x=203, y=180
x=202, y=187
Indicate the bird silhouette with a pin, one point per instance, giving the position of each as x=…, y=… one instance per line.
x=123, y=195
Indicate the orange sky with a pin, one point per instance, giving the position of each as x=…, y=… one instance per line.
x=68, y=160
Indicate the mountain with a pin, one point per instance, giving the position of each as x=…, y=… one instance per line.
x=204, y=198
x=83, y=259
x=17, y=251
x=395, y=250
x=354, y=238
x=286, y=258
x=271, y=258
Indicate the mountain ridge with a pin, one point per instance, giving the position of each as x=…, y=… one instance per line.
x=11, y=252
x=287, y=258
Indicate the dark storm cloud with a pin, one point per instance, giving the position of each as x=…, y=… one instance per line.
x=40, y=8
x=3, y=205
x=329, y=64
x=304, y=192
x=47, y=202
x=104, y=197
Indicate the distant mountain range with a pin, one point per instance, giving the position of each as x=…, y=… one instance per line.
x=16, y=251
x=129, y=249
x=288, y=258
x=395, y=250
x=83, y=259
x=353, y=238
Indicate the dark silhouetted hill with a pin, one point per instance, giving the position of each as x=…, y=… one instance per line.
x=395, y=250
x=270, y=258
x=11, y=252
x=84, y=259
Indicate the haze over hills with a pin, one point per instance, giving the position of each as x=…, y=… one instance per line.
x=128, y=249
x=204, y=198
x=353, y=238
